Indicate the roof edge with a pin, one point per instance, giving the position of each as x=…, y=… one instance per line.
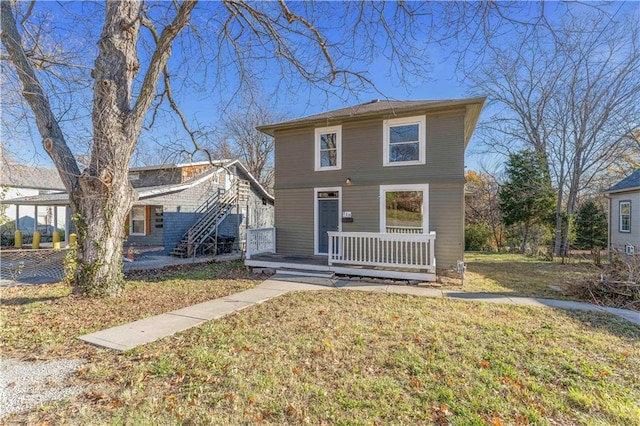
x=269, y=129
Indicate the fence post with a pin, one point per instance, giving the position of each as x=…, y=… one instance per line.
x=273, y=240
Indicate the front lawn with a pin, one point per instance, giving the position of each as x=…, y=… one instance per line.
x=44, y=321
x=333, y=357
x=519, y=275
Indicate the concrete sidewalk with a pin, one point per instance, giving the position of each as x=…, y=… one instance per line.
x=147, y=330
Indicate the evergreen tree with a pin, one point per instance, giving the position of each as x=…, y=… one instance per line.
x=591, y=229
x=527, y=197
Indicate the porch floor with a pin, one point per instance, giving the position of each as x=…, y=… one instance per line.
x=319, y=263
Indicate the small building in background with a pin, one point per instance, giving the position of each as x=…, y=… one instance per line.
x=185, y=209
x=20, y=180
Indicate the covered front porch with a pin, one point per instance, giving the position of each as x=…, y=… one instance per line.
x=405, y=256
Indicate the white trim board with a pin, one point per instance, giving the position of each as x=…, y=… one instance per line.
x=315, y=214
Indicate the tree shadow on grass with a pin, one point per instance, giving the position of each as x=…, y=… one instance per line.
x=528, y=279
x=18, y=301
x=607, y=322
x=194, y=272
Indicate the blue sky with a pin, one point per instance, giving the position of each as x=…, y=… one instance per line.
x=203, y=108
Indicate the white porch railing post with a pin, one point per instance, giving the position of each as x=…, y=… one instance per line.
x=330, y=249
x=260, y=240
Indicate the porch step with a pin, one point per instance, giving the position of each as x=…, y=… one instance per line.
x=305, y=273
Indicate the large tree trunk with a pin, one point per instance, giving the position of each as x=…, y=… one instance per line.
x=103, y=213
x=101, y=196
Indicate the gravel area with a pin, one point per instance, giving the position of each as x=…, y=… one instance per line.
x=25, y=385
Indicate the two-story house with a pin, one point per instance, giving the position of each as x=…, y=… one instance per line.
x=375, y=189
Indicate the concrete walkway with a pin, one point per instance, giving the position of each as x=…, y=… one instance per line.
x=147, y=330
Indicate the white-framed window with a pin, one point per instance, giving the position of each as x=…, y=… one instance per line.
x=328, y=148
x=138, y=220
x=625, y=216
x=404, y=209
x=404, y=141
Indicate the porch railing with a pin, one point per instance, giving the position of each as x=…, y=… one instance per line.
x=397, y=250
x=260, y=240
x=403, y=230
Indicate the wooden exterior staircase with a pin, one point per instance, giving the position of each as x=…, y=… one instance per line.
x=202, y=237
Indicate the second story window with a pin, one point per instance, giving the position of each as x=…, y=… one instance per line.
x=625, y=216
x=404, y=141
x=328, y=148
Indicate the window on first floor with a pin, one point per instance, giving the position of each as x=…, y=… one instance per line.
x=138, y=223
x=625, y=216
x=328, y=148
x=403, y=209
x=404, y=141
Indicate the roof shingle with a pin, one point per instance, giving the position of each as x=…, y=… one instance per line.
x=24, y=176
x=630, y=182
x=375, y=107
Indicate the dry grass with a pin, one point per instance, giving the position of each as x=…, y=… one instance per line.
x=358, y=358
x=519, y=275
x=335, y=357
x=43, y=321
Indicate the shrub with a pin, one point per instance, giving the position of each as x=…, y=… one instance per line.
x=476, y=237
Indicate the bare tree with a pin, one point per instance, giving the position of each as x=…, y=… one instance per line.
x=101, y=195
x=254, y=148
x=232, y=43
x=482, y=205
x=572, y=95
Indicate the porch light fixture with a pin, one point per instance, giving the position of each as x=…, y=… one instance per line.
x=348, y=181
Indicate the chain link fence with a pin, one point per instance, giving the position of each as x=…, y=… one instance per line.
x=32, y=266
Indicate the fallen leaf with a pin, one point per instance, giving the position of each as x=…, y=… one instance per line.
x=415, y=382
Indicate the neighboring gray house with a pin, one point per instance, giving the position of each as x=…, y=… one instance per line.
x=20, y=180
x=624, y=214
x=184, y=207
x=374, y=189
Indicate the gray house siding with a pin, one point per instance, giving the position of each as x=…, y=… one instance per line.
x=177, y=215
x=363, y=203
x=620, y=239
x=446, y=218
x=362, y=156
x=362, y=163
x=156, y=233
x=142, y=178
x=294, y=221
x=176, y=225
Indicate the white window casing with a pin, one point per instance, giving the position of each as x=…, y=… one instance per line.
x=423, y=188
x=400, y=139
x=328, y=148
x=625, y=216
x=138, y=224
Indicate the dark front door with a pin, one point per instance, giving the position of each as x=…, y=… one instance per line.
x=328, y=217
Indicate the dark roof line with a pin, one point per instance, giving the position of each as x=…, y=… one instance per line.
x=629, y=183
x=371, y=108
x=26, y=176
